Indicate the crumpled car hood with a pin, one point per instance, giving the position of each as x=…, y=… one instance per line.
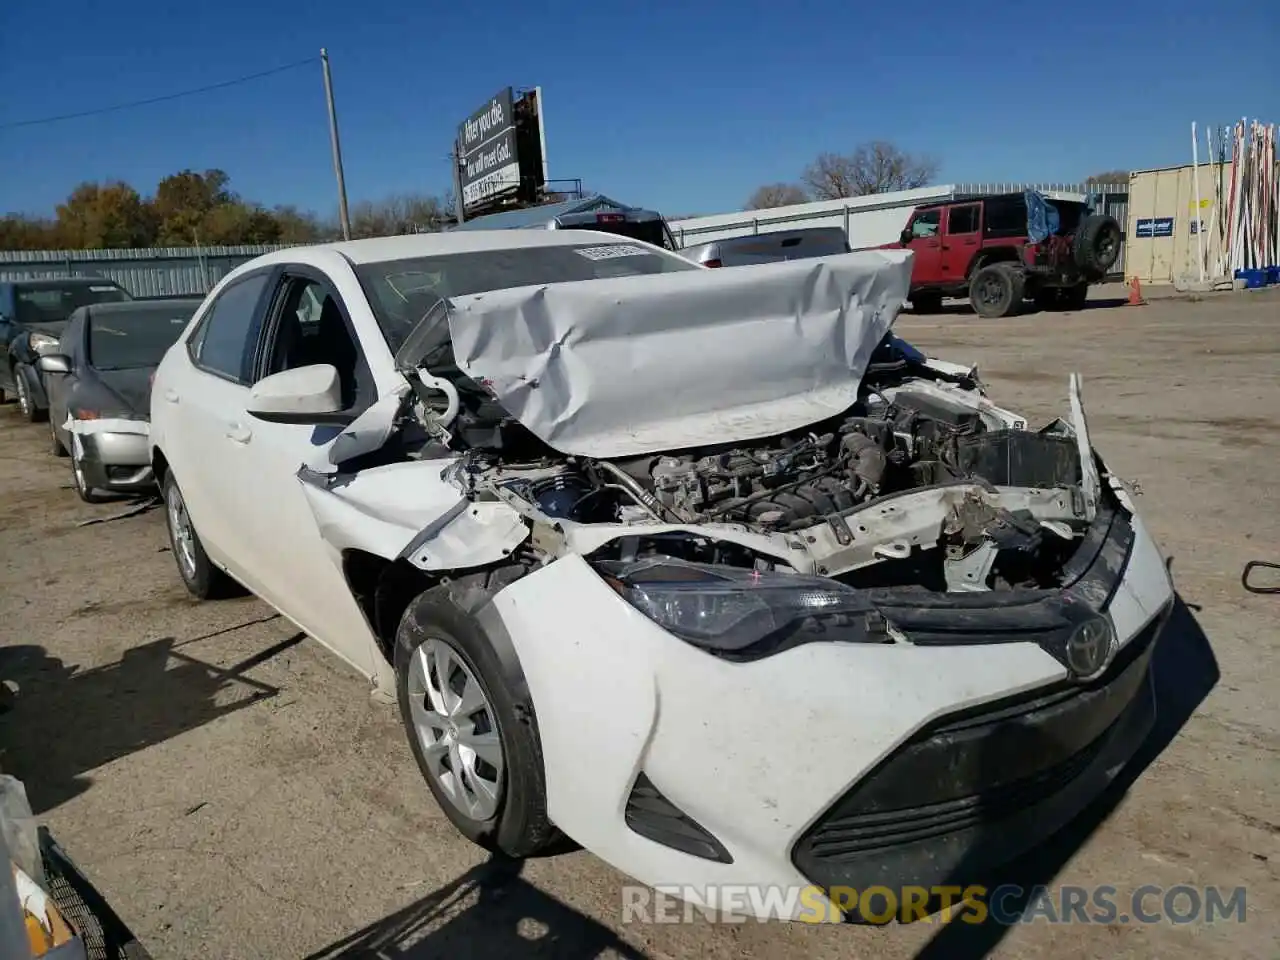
x=636, y=365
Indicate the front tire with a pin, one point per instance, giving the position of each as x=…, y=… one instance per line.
x=26, y=403
x=201, y=577
x=471, y=729
x=81, y=483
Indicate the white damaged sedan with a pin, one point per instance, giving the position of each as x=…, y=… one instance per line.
x=705, y=569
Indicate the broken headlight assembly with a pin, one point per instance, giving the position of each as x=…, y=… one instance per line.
x=743, y=614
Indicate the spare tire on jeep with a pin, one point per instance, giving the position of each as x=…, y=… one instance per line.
x=1097, y=245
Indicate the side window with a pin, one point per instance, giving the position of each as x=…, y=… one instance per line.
x=1006, y=217
x=223, y=344
x=926, y=224
x=963, y=219
x=309, y=328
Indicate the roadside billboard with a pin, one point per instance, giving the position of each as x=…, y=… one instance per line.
x=488, y=154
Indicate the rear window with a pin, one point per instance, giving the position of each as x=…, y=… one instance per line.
x=126, y=341
x=650, y=231
x=766, y=247
x=54, y=304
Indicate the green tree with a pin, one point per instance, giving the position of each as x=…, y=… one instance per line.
x=183, y=200
x=97, y=216
x=18, y=231
x=236, y=222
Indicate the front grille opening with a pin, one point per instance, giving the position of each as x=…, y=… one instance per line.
x=656, y=818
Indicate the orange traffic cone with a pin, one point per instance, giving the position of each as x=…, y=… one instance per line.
x=1135, y=293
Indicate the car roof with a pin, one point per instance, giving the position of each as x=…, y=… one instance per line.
x=47, y=282
x=804, y=233
x=431, y=244
x=135, y=307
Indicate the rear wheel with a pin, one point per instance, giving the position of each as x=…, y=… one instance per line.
x=996, y=290
x=201, y=577
x=472, y=732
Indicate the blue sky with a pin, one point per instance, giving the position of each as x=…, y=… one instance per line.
x=685, y=107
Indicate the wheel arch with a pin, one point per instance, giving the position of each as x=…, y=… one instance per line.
x=384, y=589
x=159, y=466
x=990, y=255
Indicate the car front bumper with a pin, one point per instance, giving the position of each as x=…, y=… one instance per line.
x=118, y=460
x=827, y=765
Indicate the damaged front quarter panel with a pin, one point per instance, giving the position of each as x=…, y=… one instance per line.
x=401, y=510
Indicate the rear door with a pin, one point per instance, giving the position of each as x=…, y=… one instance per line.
x=962, y=236
x=203, y=394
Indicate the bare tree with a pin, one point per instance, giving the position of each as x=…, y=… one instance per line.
x=776, y=195
x=397, y=215
x=876, y=167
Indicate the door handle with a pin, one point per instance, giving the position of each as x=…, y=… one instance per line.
x=171, y=396
x=239, y=433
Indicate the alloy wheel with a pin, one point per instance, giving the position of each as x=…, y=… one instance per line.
x=181, y=532
x=456, y=729
x=24, y=396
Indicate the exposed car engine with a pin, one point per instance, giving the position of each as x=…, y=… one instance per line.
x=788, y=482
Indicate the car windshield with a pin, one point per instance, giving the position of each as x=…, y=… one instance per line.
x=401, y=292
x=126, y=341
x=46, y=305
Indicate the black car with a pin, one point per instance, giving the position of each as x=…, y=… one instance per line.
x=99, y=387
x=33, y=314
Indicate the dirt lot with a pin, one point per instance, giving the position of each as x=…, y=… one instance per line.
x=235, y=792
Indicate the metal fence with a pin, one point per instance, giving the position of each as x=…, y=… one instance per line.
x=151, y=272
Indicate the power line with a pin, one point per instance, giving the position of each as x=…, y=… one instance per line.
x=151, y=100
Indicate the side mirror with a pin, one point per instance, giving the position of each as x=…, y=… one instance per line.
x=310, y=395
x=53, y=363
x=906, y=237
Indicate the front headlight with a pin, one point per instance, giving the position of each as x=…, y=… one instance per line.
x=42, y=342
x=740, y=613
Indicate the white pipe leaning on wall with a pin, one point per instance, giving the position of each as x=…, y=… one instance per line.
x=1195, y=181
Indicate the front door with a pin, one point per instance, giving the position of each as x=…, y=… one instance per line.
x=925, y=242
x=961, y=237
x=297, y=571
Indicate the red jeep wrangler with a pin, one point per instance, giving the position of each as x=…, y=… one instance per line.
x=998, y=250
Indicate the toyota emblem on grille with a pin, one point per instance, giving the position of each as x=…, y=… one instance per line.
x=1090, y=647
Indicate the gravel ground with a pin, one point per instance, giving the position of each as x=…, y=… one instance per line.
x=234, y=791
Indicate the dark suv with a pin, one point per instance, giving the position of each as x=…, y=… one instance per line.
x=998, y=250
x=33, y=314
